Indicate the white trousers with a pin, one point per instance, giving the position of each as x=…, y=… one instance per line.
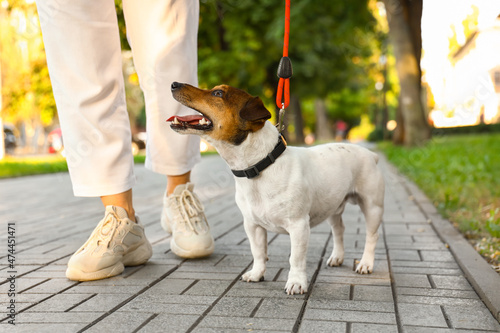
x=85, y=65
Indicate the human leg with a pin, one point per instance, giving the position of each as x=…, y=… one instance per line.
x=163, y=37
x=84, y=59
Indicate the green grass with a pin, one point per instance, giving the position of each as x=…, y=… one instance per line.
x=461, y=175
x=17, y=166
x=12, y=166
x=24, y=166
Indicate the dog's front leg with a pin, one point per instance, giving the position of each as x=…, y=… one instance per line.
x=299, y=238
x=257, y=236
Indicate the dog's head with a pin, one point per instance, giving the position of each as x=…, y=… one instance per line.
x=227, y=114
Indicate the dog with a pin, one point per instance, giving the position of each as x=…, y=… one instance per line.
x=284, y=189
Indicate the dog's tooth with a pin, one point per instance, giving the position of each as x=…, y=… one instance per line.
x=176, y=121
x=203, y=121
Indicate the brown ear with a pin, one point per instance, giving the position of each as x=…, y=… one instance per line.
x=254, y=110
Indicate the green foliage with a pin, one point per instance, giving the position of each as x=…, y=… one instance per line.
x=26, y=88
x=240, y=43
x=461, y=174
x=348, y=105
x=377, y=135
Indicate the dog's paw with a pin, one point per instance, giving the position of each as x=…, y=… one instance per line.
x=296, y=285
x=253, y=276
x=335, y=261
x=364, y=267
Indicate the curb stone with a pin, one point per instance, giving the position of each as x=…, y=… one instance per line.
x=484, y=280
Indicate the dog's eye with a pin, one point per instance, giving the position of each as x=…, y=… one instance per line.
x=218, y=93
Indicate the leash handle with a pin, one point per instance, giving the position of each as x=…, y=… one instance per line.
x=285, y=66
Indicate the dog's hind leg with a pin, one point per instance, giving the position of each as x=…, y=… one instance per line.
x=337, y=257
x=257, y=236
x=373, y=215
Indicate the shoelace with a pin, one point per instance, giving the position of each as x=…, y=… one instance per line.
x=190, y=208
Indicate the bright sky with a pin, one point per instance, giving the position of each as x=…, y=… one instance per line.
x=437, y=17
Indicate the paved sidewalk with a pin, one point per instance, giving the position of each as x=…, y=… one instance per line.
x=417, y=285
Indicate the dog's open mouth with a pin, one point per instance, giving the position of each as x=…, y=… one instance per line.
x=198, y=122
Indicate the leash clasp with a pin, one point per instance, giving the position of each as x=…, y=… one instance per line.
x=281, y=115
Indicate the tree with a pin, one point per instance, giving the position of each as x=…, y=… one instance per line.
x=404, y=18
x=240, y=43
x=27, y=93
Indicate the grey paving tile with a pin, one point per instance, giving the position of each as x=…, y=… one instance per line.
x=167, y=308
x=103, y=289
x=351, y=316
x=170, y=286
x=315, y=326
x=439, y=300
x=330, y=291
x=407, y=255
x=286, y=308
x=175, y=299
x=373, y=328
x=24, y=284
x=101, y=303
x=60, y=303
x=412, y=280
x=51, y=287
x=451, y=282
x=174, y=323
x=123, y=322
x=416, y=329
x=467, y=317
x=205, y=275
x=428, y=255
x=437, y=292
x=260, y=290
x=59, y=317
x=230, y=323
x=372, y=293
x=359, y=280
x=208, y=288
x=434, y=264
x=421, y=315
x=351, y=305
x=235, y=307
x=427, y=270
x=42, y=328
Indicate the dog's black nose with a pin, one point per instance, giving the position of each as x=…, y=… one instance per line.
x=176, y=85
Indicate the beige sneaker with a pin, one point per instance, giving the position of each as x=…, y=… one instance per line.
x=116, y=242
x=183, y=216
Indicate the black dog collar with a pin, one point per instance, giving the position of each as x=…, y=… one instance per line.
x=256, y=169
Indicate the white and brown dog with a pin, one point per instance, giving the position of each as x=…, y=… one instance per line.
x=299, y=188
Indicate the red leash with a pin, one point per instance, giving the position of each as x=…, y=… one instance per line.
x=285, y=66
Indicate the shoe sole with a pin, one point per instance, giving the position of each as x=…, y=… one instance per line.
x=137, y=257
x=78, y=275
x=191, y=254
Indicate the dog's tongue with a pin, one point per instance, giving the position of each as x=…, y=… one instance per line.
x=191, y=119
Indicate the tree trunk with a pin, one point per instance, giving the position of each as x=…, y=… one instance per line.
x=323, y=129
x=399, y=133
x=416, y=129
